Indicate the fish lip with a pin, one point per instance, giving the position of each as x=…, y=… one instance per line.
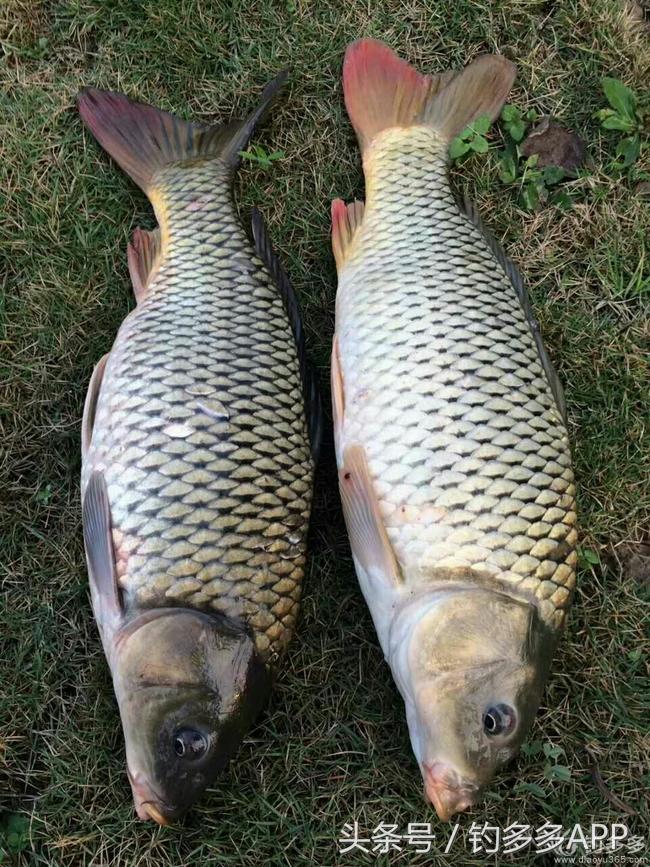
x=447, y=791
x=148, y=804
x=148, y=810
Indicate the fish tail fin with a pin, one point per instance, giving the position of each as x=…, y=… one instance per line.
x=381, y=91
x=142, y=139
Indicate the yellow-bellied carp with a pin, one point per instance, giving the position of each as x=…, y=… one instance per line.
x=197, y=466
x=455, y=470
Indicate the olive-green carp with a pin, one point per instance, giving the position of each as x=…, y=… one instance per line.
x=197, y=464
x=449, y=421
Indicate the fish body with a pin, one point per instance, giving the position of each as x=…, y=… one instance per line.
x=196, y=451
x=454, y=462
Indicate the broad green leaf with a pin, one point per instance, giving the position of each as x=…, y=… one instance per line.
x=629, y=149
x=620, y=97
x=482, y=124
x=510, y=113
x=529, y=197
x=517, y=129
x=551, y=751
x=615, y=121
x=562, y=199
x=561, y=772
x=552, y=175
x=533, y=788
x=14, y=833
x=588, y=555
x=458, y=148
x=507, y=168
x=532, y=161
x=531, y=115
x=479, y=144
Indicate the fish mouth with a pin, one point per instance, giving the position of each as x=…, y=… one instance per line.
x=149, y=805
x=444, y=788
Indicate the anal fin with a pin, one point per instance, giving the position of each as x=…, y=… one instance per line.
x=368, y=536
x=346, y=219
x=143, y=255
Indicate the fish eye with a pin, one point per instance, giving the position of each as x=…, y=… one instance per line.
x=499, y=720
x=189, y=743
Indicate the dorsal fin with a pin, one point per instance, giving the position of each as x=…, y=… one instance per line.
x=143, y=255
x=512, y=272
x=311, y=393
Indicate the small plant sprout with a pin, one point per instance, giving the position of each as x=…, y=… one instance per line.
x=44, y=495
x=515, y=169
x=515, y=121
x=472, y=139
x=257, y=155
x=624, y=115
x=588, y=557
x=14, y=836
x=552, y=769
x=532, y=183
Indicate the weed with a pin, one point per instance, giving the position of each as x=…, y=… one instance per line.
x=257, y=155
x=14, y=836
x=472, y=139
x=624, y=115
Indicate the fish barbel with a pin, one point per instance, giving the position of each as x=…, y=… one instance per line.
x=197, y=466
x=454, y=463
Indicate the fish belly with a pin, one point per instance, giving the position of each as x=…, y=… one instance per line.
x=445, y=391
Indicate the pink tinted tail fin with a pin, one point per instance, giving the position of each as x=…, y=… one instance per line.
x=381, y=91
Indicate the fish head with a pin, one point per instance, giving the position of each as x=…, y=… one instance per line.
x=472, y=675
x=189, y=685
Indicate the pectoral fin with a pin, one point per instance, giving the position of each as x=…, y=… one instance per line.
x=338, y=397
x=368, y=537
x=99, y=554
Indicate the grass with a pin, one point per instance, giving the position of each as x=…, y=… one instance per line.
x=333, y=744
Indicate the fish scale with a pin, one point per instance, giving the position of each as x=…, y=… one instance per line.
x=199, y=426
x=445, y=390
x=199, y=435
x=449, y=421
